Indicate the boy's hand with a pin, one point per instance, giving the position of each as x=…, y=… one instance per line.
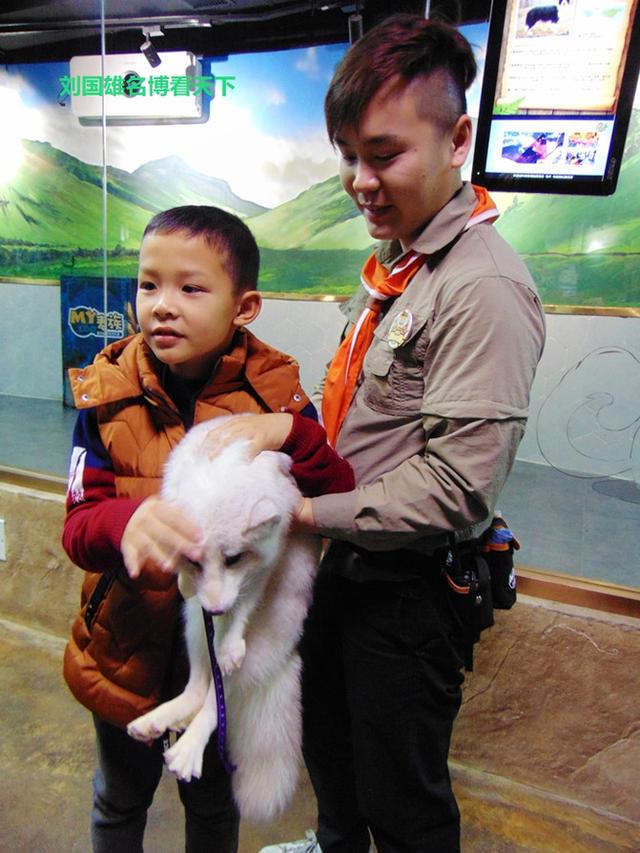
x=263, y=432
x=156, y=536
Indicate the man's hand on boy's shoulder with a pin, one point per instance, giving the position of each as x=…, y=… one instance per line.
x=316, y=467
x=155, y=538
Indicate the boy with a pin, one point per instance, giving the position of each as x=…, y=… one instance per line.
x=427, y=398
x=192, y=360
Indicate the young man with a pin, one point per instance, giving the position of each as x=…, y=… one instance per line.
x=192, y=360
x=427, y=398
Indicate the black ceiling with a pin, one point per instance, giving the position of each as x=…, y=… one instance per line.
x=32, y=30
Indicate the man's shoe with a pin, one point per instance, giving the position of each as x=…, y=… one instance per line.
x=308, y=844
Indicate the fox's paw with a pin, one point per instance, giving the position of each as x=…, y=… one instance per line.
x=231, y=655
x=146, y=728
x=184, y=759
x=174, y=715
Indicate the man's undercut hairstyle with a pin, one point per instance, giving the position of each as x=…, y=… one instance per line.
x=223, y=231
x=410, y=47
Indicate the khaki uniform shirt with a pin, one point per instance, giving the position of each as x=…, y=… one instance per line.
x=434, y=425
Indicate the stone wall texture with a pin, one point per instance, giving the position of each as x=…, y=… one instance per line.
x=553, y=706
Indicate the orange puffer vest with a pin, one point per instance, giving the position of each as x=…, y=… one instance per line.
x=125, y=654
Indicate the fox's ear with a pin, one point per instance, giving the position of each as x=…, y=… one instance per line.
x=282, y=461
x=264, y=513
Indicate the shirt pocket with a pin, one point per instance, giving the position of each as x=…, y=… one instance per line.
x=393, y=380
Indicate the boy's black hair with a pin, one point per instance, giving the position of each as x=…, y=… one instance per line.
x=223, y=231
x=408, y=46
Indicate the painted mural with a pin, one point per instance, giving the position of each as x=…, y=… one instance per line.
x=263, y=155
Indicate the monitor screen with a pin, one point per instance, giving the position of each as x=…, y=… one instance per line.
x=557, y=95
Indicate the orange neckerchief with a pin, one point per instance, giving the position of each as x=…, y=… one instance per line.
x=381, y=284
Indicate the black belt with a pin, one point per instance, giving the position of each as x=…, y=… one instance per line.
x=399, y=565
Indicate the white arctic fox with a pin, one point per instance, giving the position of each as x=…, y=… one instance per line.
x=257, y=579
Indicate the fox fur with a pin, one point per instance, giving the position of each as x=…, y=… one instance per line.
x=257, y=579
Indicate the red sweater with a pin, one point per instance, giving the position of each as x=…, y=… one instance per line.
x=96, y=518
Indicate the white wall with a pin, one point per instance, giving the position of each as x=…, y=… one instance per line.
x=585, y=408
x=30, y=341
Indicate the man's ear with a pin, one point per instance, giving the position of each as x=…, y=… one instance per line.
x=461, y=138
x=248, y=308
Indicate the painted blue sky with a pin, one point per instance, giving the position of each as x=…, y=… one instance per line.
x=476, y=35
x=283, y=89
x=266, y=137
x=42, y=78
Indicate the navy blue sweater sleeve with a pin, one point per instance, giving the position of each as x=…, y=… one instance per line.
x=96, y=517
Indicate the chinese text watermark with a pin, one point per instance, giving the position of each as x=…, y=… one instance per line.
x=133, y=85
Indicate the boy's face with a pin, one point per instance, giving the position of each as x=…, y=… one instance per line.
x=399, y=167
x=186, y=303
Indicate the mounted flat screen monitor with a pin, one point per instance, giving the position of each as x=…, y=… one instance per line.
x=557, y=95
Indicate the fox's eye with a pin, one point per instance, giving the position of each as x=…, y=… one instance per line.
x=232, y=559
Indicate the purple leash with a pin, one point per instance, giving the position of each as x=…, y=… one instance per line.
x=221, y=733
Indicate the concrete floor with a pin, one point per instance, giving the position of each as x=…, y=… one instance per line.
x=47, y=753
x=47, y=759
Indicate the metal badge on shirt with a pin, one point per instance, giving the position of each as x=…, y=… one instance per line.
x=400, y=329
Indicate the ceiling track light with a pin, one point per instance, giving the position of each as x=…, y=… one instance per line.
x=147, y=49
x=355, y=28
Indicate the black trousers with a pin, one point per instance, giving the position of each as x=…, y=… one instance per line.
x=125, y=782
x=381, y=690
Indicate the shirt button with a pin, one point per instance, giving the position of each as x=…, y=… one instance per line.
x=85, y=398
x=297, y=398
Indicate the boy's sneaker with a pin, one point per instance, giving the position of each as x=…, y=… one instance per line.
x=308, y=844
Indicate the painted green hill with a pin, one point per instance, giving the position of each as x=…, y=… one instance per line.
x=295, y=223
x=541, y=224
x=583, y=250
x=55, y=200
x=351, y=234
x=169, y=182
